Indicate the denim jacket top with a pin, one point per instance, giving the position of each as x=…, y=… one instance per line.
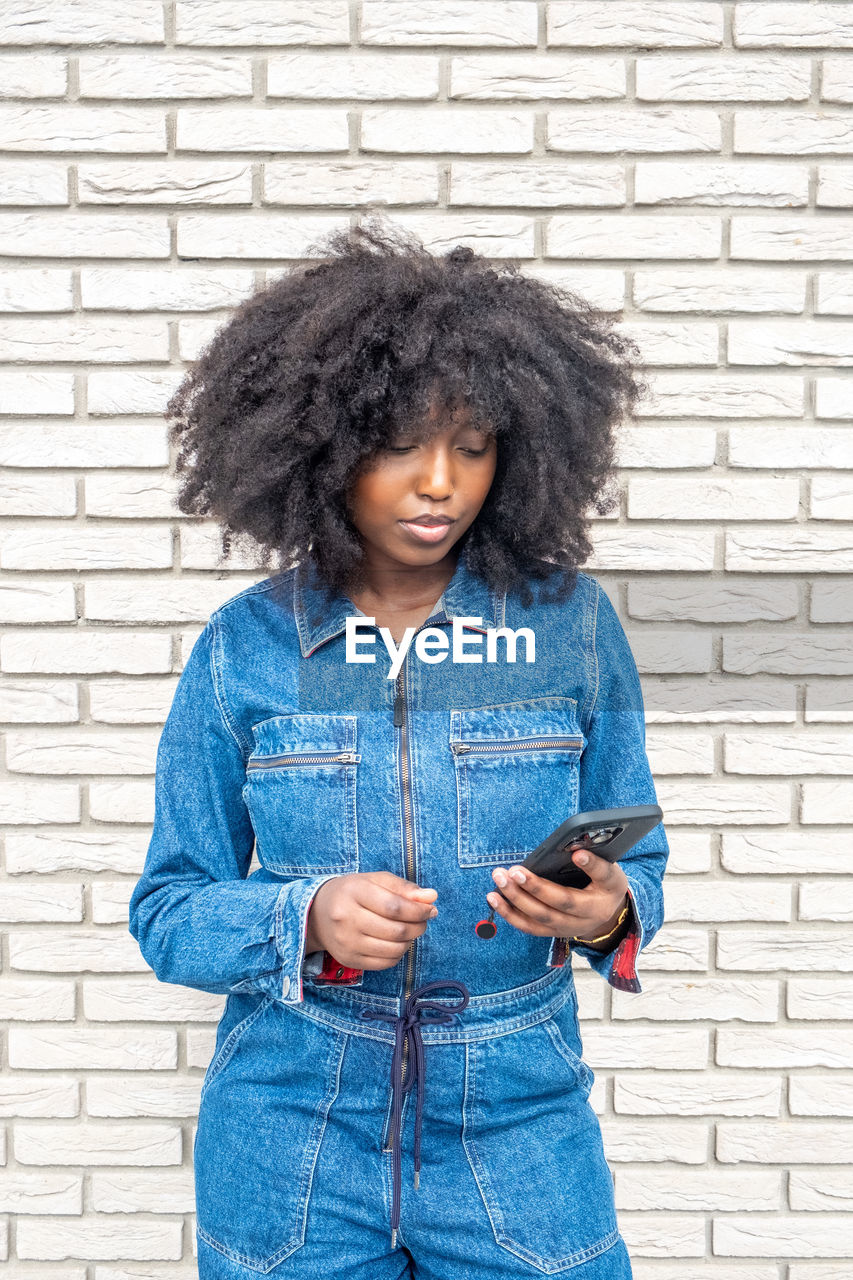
x=452, y=768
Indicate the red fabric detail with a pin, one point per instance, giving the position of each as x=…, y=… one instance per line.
x=332, y=970
x=623, y=972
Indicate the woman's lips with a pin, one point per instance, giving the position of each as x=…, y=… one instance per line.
x=426, y=532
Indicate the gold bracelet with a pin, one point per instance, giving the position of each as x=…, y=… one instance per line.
x=590, y=942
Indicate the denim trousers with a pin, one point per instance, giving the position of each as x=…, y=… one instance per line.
x=512, y=1180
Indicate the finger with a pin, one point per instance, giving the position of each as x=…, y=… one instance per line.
x=396, y=931
x=396, y=884
x=599, y=870
x=530, y=906
x=556, y=896
x=515, y=917
x=392, y=905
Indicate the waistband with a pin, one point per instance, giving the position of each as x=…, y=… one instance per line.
x=496, y=1014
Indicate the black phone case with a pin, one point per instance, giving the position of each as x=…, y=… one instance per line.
x=608, y=832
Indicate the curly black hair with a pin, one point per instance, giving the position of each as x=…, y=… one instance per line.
x=314, y=374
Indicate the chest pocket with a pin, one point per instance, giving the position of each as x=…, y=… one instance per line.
x=517, y=766
x=300, y=793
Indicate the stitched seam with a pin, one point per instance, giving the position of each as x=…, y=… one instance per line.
x=216, y=664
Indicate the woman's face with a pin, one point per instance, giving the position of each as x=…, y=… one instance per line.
x=446, y=477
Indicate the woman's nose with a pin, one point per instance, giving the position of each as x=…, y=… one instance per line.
x=436, y=474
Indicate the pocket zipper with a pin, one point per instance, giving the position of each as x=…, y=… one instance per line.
x=276, y=762
x=536, y=744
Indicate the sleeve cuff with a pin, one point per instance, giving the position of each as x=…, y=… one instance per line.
x=291, y=926
x=617, y=966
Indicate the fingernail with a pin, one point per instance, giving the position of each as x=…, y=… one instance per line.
x=433, y=913
x=582, y=858
x=518, y=874
x=492, y=899
x=499, y=878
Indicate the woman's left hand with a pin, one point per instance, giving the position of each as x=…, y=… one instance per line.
x=548, y=910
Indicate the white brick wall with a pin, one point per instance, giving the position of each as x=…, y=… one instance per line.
x=687, y=164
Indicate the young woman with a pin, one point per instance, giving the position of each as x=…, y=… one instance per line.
x=393, y=721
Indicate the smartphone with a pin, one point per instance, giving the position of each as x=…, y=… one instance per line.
x=608, y=832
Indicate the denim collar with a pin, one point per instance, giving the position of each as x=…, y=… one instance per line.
x=317, y=620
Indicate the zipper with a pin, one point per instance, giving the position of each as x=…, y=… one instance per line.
x=518, y=744
x=278, y=762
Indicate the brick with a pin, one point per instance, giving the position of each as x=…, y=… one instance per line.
x=685, y=754
x=201, y=548
x=815, y=998
x=122, y=802
x=131, y=496
x=34, y=1095
x=790, y=240
x=827, y=802
x=453, y=129
x=119, y=339
x=783, y=1142
x=643, y=235
x=821, y=1095
x=74, y=128
x=723, y=395
x=361, y=76
x=115, y=443
x=184, y=599
x=42, y=701
x=181, y=182
x=268, y=128
x=218, y=22
x=537, y=185
x=707, y=288
x=663, y=1235
x=686, y=1094
x=785, y=1047
x=433, y=22
x=793, y=26
x=718, y=78
x=666, y=999
x=660, y=549
x=74, y=951
x=774, y=753
x=741, y=804
x=809, y=1189
x=646, y=1047
x=154, y=289
x=642, y=130
x=690, y=853
x=145, y=1000
x=833, y=399
x=708, y=701
x=831, y=498
x=704, y=1190
x=135, y=75
x=45, y=852
x=834, y=186
x=42, y=1193
x=81, y=750
x=140, y=1096
x=790, y=343
x=38, y=289
x=493, y=235
x=94, y=1239
x=794, y=1236
x=825, y=901
x=98, y=546
x=732, y=183
x=131, y=702
x=36, y=1000
x=40, y=902
x=792, y=949
x=36, y=183
x=829, y=702
x=144, y=1191
x=110, y=901
x=95, y=22
x=66, y=235
x=667, y=24
x=791, y=653
x=790, y=447
x=836, y=80
x=681, y=949
x=675, y=343
x=781, y=853
x=28, y=393
x=496, y=77
x=131, y=392
x=37, y=802
x=244, y=236
x=34, y=76
x=666, y=447
x=800, y=133
x=680, y=1141
x=733, y=498
x=37, y=495
x=728, y=901
x=356, y=182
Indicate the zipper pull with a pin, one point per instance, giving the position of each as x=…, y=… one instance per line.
x=398, y=708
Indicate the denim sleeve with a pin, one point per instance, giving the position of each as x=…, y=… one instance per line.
x=614, y=771
x=199, y=918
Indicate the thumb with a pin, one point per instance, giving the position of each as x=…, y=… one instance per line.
x=597, y=868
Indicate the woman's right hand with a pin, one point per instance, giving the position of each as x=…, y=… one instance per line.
x=368, y=920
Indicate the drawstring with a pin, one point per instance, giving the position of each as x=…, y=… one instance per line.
x=406, y=1028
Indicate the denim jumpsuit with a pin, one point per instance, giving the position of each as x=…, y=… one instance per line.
x=430, y=1119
